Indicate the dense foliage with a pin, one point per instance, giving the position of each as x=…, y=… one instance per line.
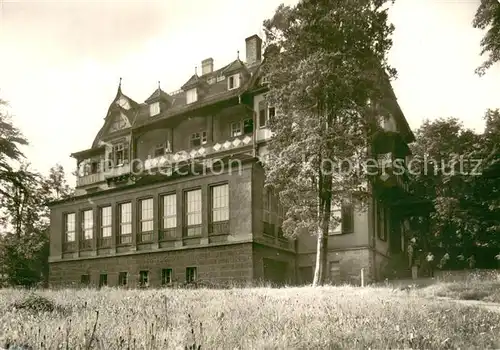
x=464, y=227
x=487, y=18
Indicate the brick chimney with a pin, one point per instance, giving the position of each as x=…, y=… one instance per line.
x=207, y=66
x=253, y=49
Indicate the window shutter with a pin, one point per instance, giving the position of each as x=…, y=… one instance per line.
x=347, y=218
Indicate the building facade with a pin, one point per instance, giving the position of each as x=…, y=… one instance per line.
x=172, y=191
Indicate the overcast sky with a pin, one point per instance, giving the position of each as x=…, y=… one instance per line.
x=60, y=61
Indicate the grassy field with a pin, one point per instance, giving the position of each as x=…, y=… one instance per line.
x=259, y=318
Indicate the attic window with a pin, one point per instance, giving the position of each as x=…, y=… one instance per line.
x=118, y=123
x=233, y=82
x=191, y=96
x=154, y=109
x=211, y=81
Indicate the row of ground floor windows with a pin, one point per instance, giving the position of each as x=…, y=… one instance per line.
x=167, y=277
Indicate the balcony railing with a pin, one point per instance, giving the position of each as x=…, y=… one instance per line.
x=102, y=175
x=197, y=152
x=89, y=179
x=218, y=228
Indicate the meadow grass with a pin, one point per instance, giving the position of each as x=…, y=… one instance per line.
x=252, y=318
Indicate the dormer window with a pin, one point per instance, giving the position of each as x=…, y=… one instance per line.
x=233, y=82
x=191, y=96
x=154, y=109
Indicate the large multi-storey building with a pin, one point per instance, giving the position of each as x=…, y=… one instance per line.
x=172, y=191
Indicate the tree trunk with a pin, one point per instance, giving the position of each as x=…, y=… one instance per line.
x=319, y=271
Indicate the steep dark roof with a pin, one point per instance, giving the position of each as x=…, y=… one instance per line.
x=158, y=95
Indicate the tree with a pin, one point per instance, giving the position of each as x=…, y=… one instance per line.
x=24, y=247
x=325, y=61
x=10, y=140
x=466, y=215
x=487, y=18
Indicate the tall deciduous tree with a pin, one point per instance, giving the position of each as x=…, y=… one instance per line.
x=325, y=61
x=487, y=18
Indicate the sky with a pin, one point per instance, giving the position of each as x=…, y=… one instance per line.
x=60, y=61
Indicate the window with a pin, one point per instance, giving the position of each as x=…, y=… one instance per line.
x=265, y=113
x=88, y=224
x=262, y=114
x=193, y=213
x=146, y=219
x=85, y=279
x=154, y=109
x=144, y=278
x=103, y=280
x=120, y=154
x=219, y=221
x=347, y=222
x=220, y=203
x=191, y=96
x=235, y=129
x=233, y=82
x=344, y=219
x=190, y=274
x=248, y=126
x=69, y=227
x=169, y=215
x=122, y=278
x=381, y=222
x=125, y=227
x=266, y=211
x=198, y=139
x=280, y=221
x=161, y=149
x=271, y=112
x=106, y=221
x=94, y=167
x=166, y=276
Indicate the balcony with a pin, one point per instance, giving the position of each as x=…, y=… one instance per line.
x=89, y=179
x=233, y=143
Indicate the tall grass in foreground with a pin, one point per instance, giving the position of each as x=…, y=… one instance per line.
x=259, y=318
